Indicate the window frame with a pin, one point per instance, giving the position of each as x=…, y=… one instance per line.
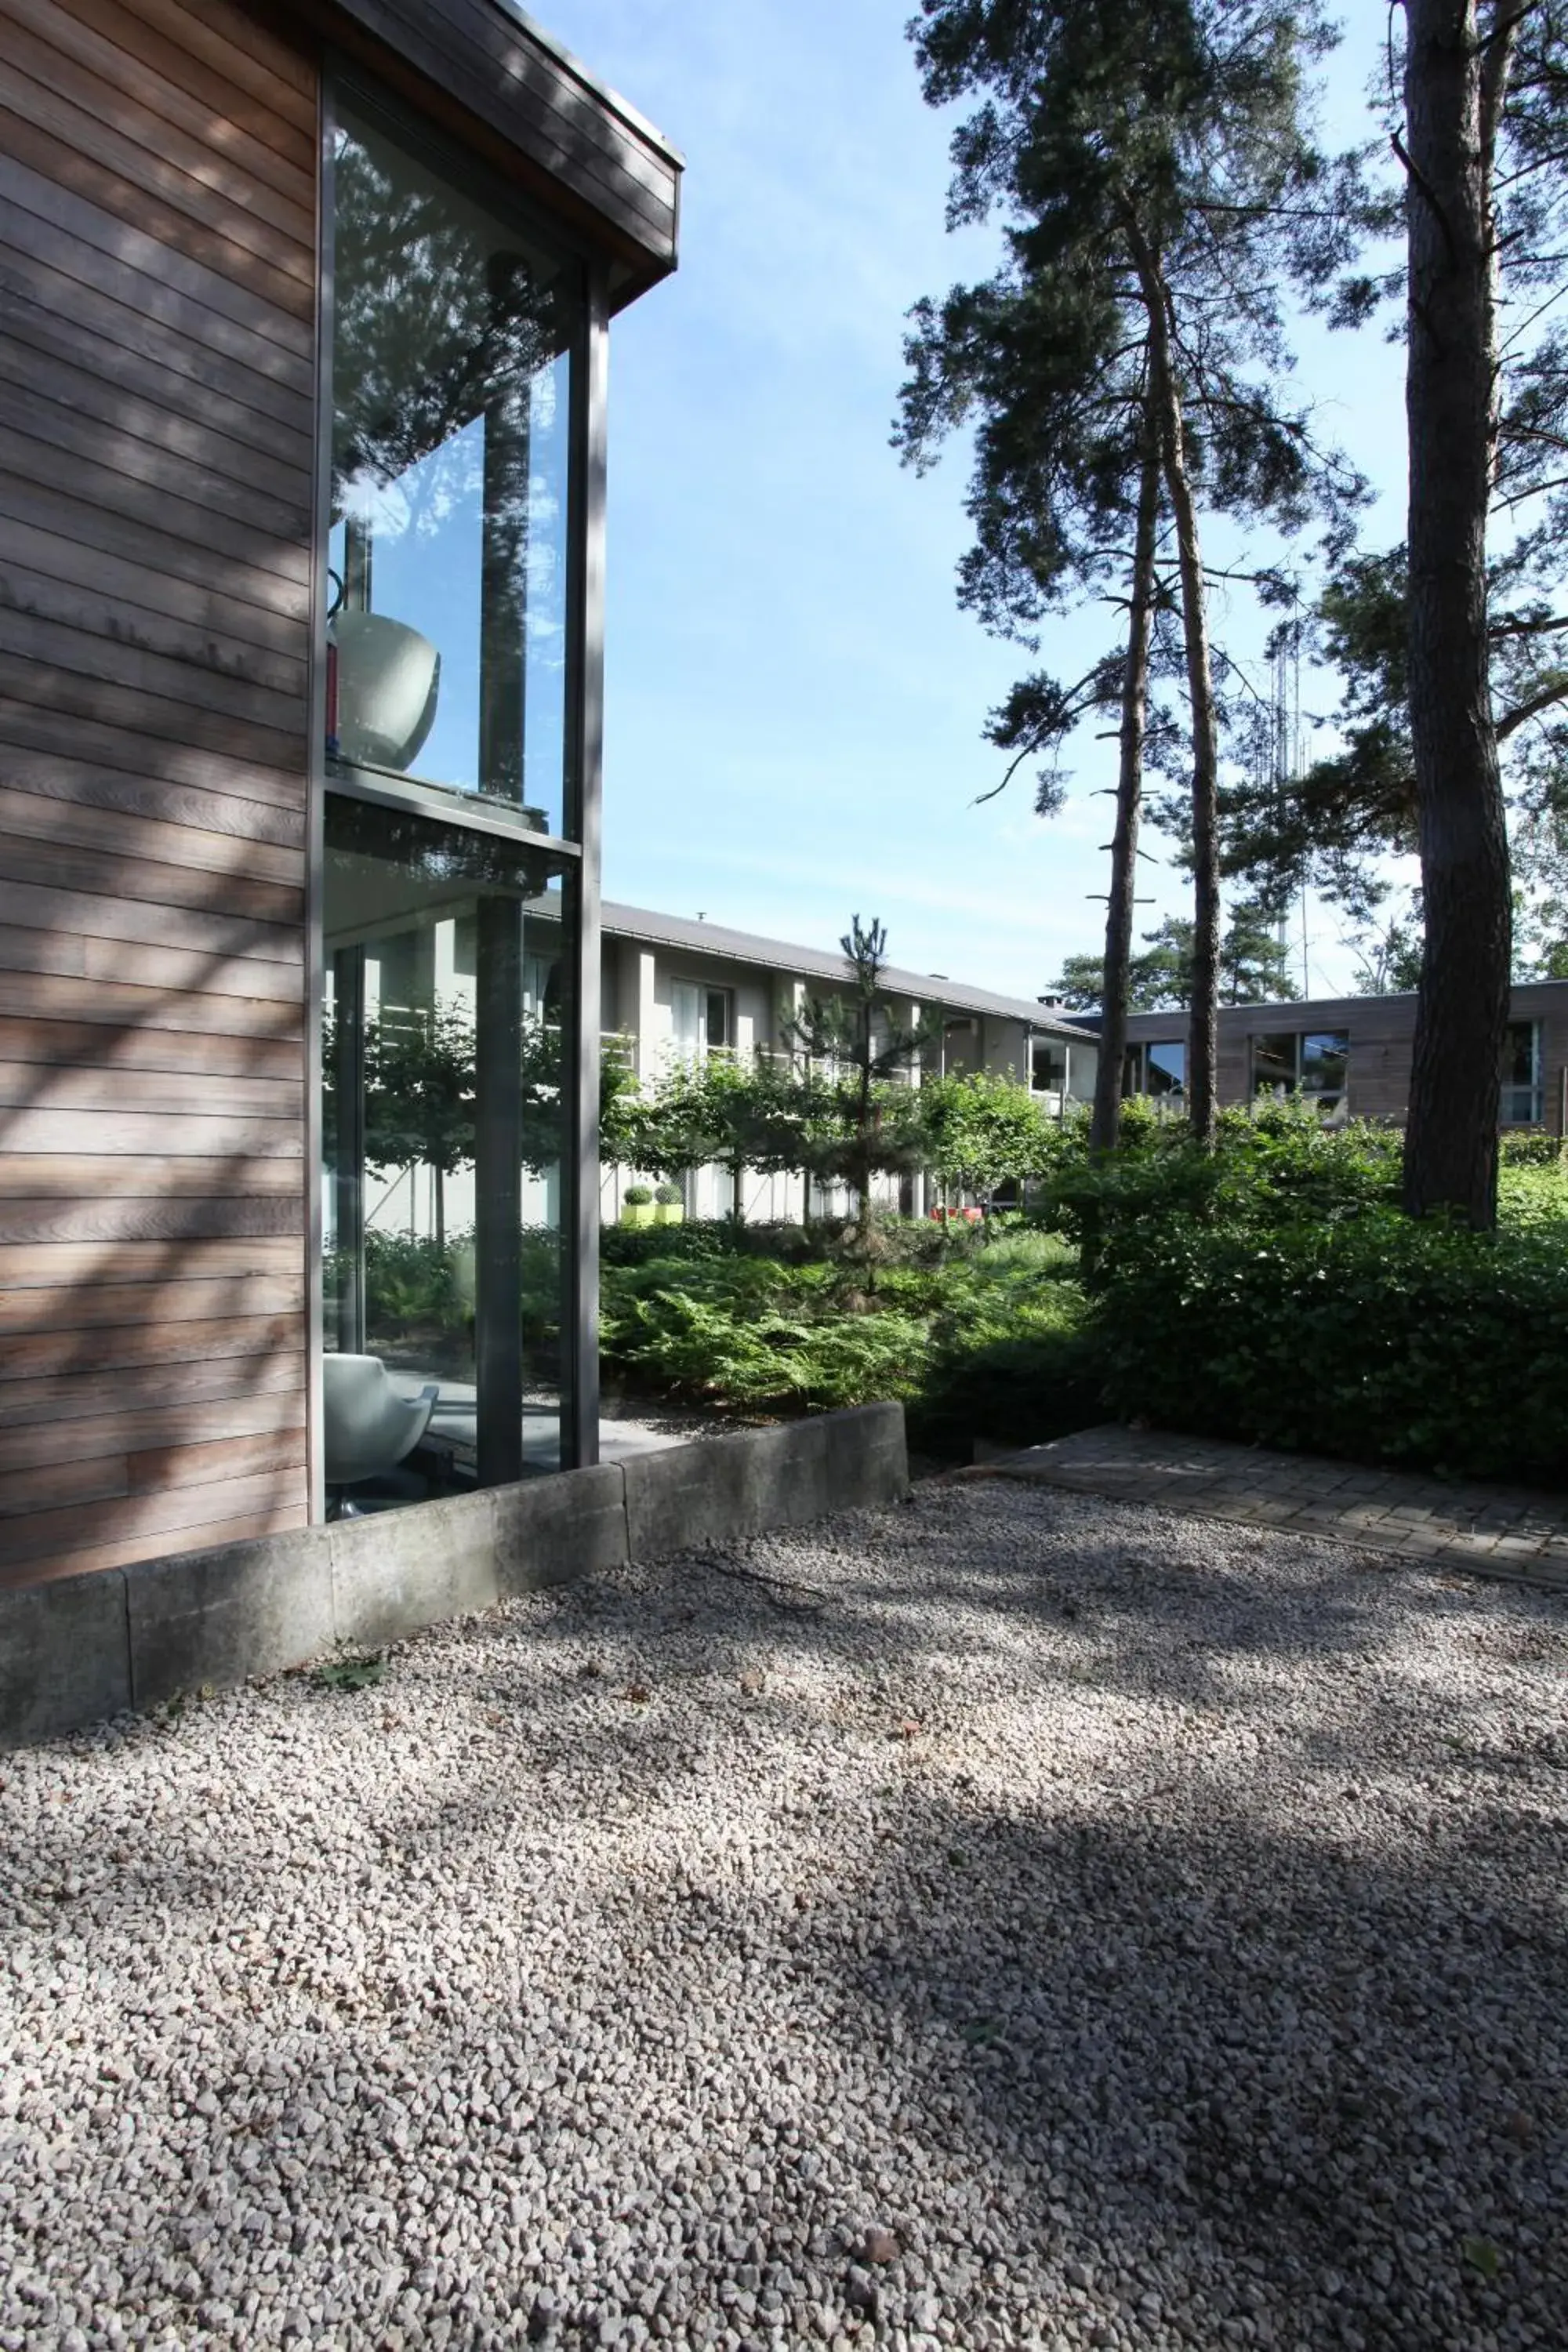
x=705, y=992
x=1332, y=1103
x=583, y=761
x=1534, y=1088
x=1135, y=1070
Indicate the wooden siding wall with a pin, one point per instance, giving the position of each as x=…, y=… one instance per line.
x=1382, y=1031
x=158, y=174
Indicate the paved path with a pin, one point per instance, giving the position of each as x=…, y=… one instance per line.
x=1506, y=1532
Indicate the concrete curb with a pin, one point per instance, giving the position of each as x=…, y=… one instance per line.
x=84, y=1647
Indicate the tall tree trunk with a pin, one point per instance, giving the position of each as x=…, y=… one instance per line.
x=1455, y=79
x=1106, y=1125
x=1203, y=1028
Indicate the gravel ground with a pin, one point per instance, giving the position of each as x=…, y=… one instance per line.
x=1008, y=1920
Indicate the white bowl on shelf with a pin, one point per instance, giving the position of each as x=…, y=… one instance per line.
x=389, y=677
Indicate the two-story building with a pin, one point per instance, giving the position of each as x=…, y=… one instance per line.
x=674, y=987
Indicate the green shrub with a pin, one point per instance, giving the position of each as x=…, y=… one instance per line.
x=1366, y=1336
x=418, y=1283
x=1268, y=1165
x=1531, y=1196
x=637, y=1196
x=745, y=1333
x=982, y=1342
x=1524, y=1148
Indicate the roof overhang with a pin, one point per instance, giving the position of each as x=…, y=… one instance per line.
x=516, y=98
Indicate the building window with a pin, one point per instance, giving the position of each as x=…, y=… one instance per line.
x=1158, y=1068
x=702, y=1019
x=1520, y=1105
x=443, y=1129
x=1313, y=1062
x=1047, y=1067
x=457, y=1341
x=453, y=330
x=721, y=1021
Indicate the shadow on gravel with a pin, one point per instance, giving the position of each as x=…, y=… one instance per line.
x=1299, y=2066
x=1315, y=2070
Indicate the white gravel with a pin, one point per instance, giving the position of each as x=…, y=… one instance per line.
x=1009, y=1920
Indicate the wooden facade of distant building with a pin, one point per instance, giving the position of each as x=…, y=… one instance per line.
x=1379, y=1037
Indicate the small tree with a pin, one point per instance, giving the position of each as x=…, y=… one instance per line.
x=983, y=1129
x=419, y=1095
x=861, y=1125
x=718, y=1110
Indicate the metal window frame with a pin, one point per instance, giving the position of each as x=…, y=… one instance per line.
x=582, y=782
x=1536, y=1086
x=1337, y=1097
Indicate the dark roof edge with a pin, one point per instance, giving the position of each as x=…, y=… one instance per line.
x=601, y=90
x=749, y=947
x=1292, y=1007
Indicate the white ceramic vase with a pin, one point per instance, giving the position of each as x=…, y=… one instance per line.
x=388, y=680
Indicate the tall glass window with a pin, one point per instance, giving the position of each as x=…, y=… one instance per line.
x=453, y=331
x=1522, y=1096
x=444, y=1124
x=451, y=1037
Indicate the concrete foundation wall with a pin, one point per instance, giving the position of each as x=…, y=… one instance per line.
x=85, y=1647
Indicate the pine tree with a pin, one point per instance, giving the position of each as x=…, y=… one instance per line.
x=871, y=1127
x=1156, y=173
x=1451, y=646
x=1254, y=968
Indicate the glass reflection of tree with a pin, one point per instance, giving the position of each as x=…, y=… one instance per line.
x=418, y=1073
x=436, y=329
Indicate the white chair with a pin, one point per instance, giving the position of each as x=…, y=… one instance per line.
x=369, y=1428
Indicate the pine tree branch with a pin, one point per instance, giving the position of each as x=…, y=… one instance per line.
x=1554, y=690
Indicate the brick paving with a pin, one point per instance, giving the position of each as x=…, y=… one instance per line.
x=1498, y=1531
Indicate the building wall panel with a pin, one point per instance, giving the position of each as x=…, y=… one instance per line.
x=1382, y=1031
x=157, y=370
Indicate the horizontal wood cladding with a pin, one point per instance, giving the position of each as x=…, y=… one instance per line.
x=144, y=1425
x=158, y=168
x=154, y=1543
x=175, y=1519
x=549, y=125
x=46, y=1355
x=197, y=1298
x=1381, y=1033
x=172, y=1215
x=64, y=1043
x=88, y=760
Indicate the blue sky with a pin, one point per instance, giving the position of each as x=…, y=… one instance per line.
x=795, y=702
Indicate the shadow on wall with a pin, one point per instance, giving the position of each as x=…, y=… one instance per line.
x=153, y=1279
